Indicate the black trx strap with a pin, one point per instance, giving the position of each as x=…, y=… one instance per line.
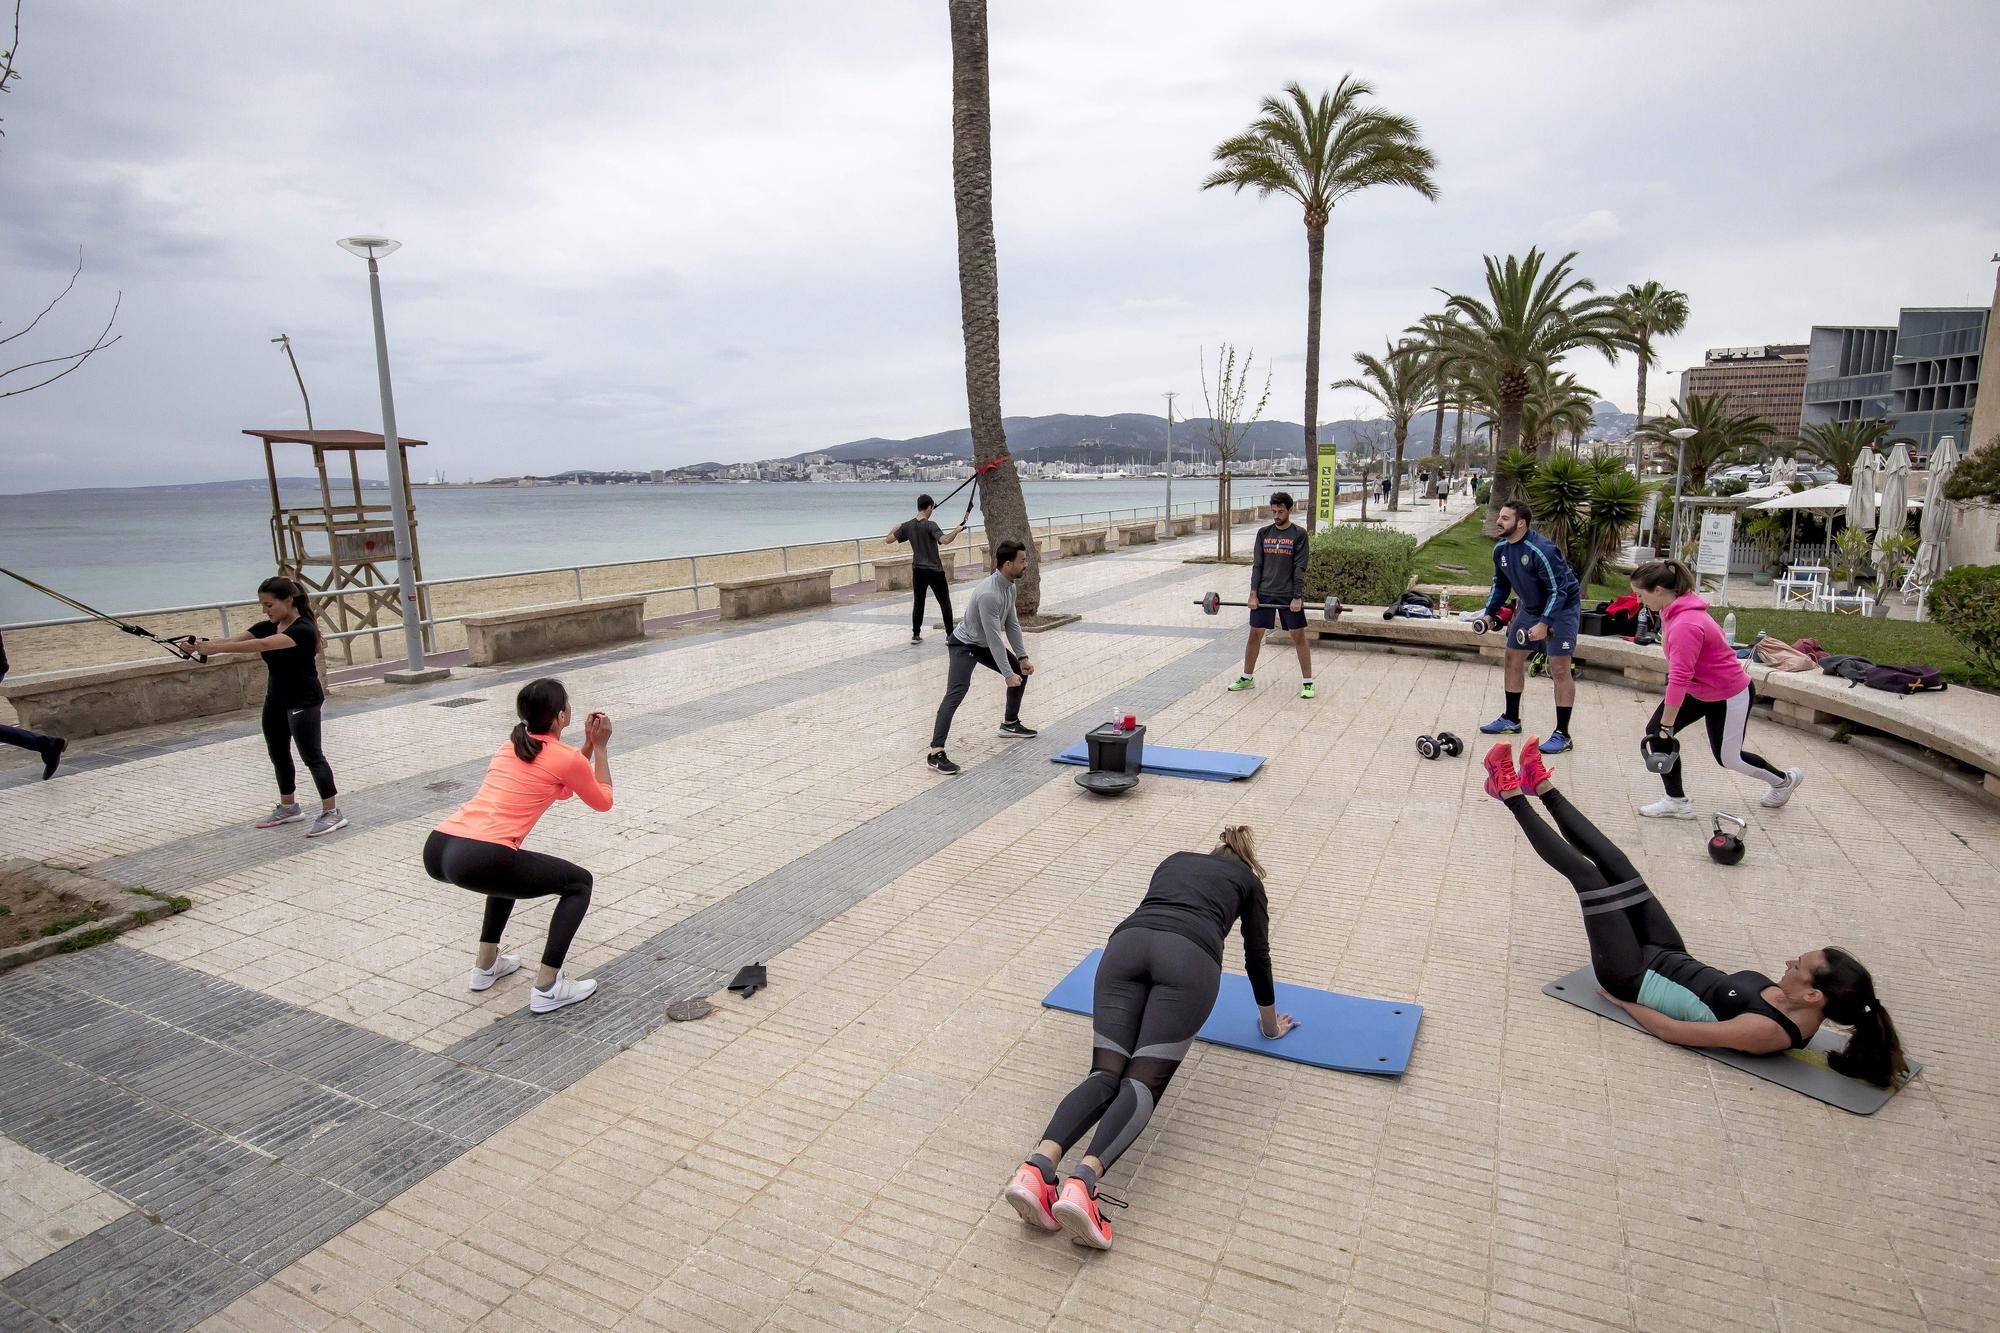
x=969, y=481
x=174, y=645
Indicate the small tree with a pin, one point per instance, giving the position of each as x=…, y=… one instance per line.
x=1227, y=425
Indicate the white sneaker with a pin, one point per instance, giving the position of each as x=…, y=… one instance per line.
x=1781, y=793
x=482, y=978
x=1669, y=807
x=562, y=991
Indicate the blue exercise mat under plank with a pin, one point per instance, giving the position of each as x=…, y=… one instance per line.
x=1207, y=765
x=1335, y=1031
x=1802, y=1071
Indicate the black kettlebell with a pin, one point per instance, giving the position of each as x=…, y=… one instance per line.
x=1660, y=752
x=1726, y=849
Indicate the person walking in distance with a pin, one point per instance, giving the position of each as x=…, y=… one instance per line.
x=989, y=636
x=288, y=637
x=50, y=748
x=1155, y=987
x=479, y=848
x=1278, y=559
x=1705, y=681
x=926, y=564
x=1547, y=618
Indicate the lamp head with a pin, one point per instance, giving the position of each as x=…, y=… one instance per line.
x=1684, y=433
x=369, y=247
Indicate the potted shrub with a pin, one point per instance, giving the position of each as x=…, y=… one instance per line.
x=1767, y=533
x=1893, y=558
x=1850, y=556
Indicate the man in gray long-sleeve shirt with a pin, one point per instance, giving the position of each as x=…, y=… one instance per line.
x=989, y=636
x=1278, y=558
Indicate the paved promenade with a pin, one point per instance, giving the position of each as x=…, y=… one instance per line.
x=283, y=1110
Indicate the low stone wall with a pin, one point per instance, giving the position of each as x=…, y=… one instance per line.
x=101, y=700
x=1082, y=543
x=1137, y=534
x=1182, y=525
x=894, y=575
x=747, y=598
x=544, y=631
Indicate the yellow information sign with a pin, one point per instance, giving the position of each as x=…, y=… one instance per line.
x=1328, y=457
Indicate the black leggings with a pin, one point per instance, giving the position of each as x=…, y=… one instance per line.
x=505, y=874
x=1620, y=915
x=1154, y=991
x=1727, y=720
x=285, y=727
x=963, y=659
x=936, y=581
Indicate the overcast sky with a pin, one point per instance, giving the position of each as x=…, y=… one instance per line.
x=642, y=235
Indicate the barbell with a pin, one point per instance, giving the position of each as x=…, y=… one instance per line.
x=1211, y=603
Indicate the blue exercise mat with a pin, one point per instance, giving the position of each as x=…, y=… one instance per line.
x=1335, y=1031
x=1207, y=765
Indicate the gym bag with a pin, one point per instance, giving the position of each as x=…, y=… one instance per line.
x=1847, y=666
x=1902, y=679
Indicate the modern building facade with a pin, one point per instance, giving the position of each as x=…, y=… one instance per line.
x=1922, y=375
x=1767, y=380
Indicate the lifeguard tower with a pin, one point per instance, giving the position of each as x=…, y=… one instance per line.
x=344, y=552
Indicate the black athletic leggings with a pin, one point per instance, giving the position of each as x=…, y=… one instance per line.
x=1154, y=991
x=959, y=679
x=1727, y=720
x=1620, y=915
x=936, y=581
x=505, y=874
x=285, y=727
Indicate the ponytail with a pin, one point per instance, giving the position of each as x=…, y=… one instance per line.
x=539, y=704
x=1671, y=575
x=1874, y=1053
x=288, y=590
x=1239, y=842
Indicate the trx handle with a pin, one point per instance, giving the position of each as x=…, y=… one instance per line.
x=176, y=644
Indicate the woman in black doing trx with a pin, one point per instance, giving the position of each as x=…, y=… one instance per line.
x=1156, y=984
x=1643, y=966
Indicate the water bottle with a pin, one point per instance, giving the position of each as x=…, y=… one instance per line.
x=1444, y=604
x=1729, y=628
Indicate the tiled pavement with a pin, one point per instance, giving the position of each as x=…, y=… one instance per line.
x=289, y=1081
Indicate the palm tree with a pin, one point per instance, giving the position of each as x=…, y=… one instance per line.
x=1005, y=510
x=1534, y=313
x=1434, y=333
x=1838, y=443
x=1647, y=311
x=1401, y=381
x=1319, y=152
x=1722, y=434
x=1557, y=405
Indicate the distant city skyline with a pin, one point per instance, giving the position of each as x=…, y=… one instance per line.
x=636, y=241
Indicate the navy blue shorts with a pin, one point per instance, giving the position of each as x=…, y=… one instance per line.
x=1564, y=626
x=1270, y=615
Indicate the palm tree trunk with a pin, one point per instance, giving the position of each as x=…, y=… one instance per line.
x=1510, y=439
x=1004, y=507
x=1645, y=350
x=1396, y=486
x=1315, y=271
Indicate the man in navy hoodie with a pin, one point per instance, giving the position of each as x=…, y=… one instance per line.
x=1548, y=614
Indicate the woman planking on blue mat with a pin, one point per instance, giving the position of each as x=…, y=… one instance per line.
x=1643, y=966
x=1155, y=987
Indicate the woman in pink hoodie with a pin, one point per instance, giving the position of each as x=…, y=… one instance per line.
x=1704, y=680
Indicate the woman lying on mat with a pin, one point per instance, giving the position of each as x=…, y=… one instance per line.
x=1155, y=987
x=1643, y=967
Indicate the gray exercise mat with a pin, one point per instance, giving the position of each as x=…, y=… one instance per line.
x=1802, y=1071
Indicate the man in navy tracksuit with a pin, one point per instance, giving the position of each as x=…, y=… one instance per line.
x=1547, y=616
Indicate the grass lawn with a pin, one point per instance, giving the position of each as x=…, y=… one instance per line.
x=1878, y=640
x=1464, y=545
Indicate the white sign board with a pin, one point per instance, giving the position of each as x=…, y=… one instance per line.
x=1712, y=557
x=1647, y=516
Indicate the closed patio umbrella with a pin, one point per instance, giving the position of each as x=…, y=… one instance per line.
x=1935, y=530
x=1895, y=501
x=1861, y=499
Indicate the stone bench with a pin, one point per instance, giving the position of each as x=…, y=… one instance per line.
x=544, y=631
x=1082, y=543
x=1138, y=534
x=1183, y=525
x=101, y=700
x=1959, y=723
x=892, y=574
x=745, y=598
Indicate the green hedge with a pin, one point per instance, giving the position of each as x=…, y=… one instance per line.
x=1966, y=602
x=1363, y=566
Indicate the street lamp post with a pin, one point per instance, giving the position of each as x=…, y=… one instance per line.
x=370, y=248
x=1170, y=461
x=1681, y=438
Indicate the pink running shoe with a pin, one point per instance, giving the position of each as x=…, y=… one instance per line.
x=1533, y=771
x=1076, y=1211
x=1031, y=1197
x=1501, y=780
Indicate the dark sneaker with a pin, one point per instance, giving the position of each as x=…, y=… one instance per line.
x=916, y=638
x=53, y=756
x=1501, y=726
x=1557, y=743
x=1016, y=729
x=940, y=762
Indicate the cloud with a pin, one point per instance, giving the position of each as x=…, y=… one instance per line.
x=1600, y=224
x=1153, y=305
